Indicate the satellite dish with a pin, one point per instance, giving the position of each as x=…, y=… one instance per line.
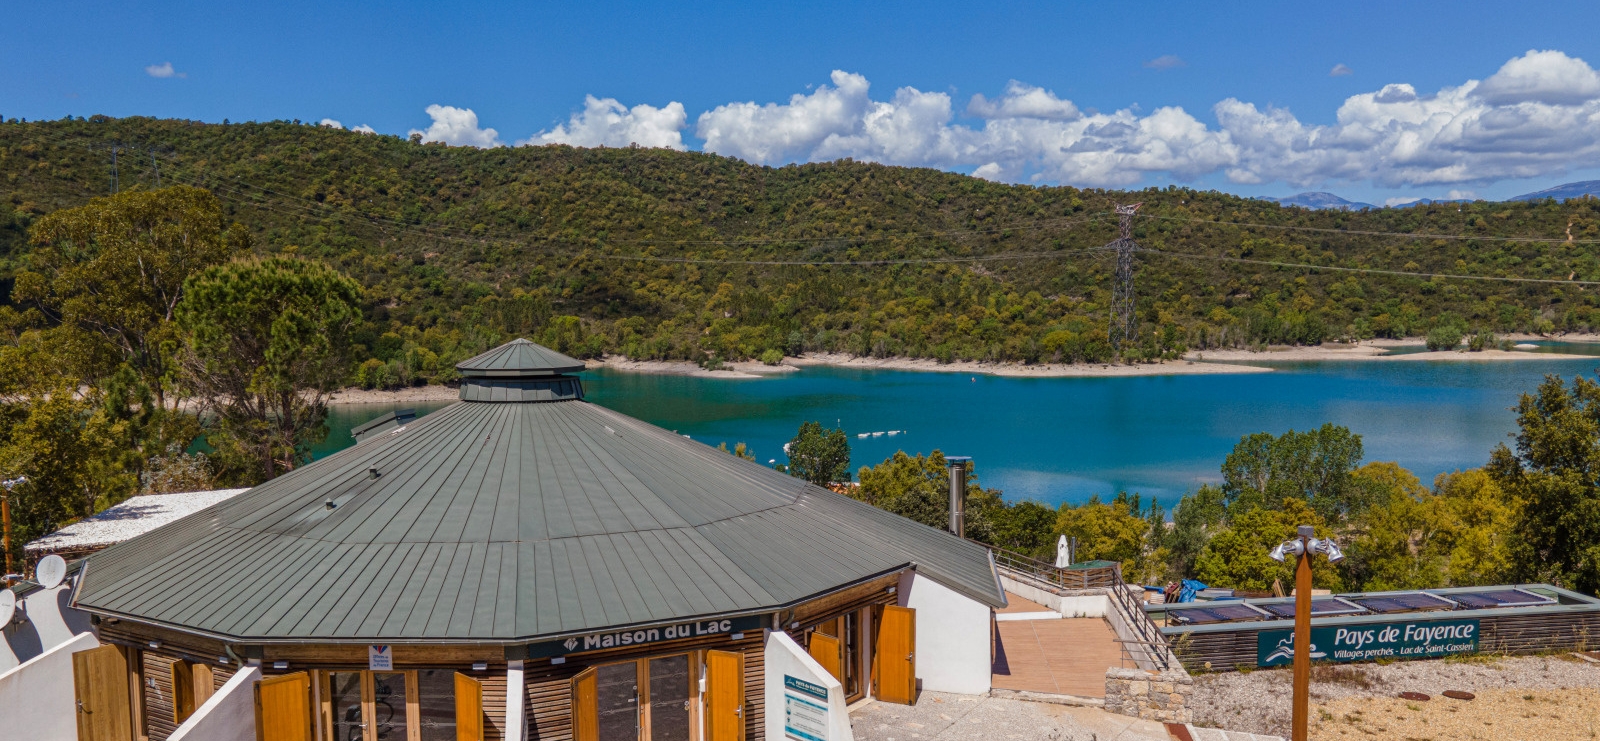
x=50, y=571
x=8, y=606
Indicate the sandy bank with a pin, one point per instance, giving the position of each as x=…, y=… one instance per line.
x=397, y=396
x=1372, y=350
x=1044, y=370
x=743, y=369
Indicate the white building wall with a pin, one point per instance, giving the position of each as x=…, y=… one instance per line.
x=953, y=640
x=37, y=699
x=46, y=622
x=229, y=715
x=784, y=656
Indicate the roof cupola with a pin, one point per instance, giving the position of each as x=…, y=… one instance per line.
x=520, y=371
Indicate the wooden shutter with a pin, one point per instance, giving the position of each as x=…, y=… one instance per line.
x=585, y=706
x=894, y=664
x=205, y=684
x=283, y=708
x=469, y=708
x=100, y=683
x=825, y=649
x=183, y=702
x=724, y=696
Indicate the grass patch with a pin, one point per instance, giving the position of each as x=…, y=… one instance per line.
x=1344, y=676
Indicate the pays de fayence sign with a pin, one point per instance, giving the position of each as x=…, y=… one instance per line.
x=1365, y=642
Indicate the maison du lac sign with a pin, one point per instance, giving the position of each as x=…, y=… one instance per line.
x=1365, y=642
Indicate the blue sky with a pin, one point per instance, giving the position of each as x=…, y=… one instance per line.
x=525, y=70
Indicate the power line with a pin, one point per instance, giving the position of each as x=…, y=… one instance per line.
x=1370, y=233
x=1379, y=271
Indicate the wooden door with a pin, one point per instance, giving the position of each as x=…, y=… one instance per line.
x=894, y=664
x=469, y=708
x=283, y=708
x=724, y=696
x=183, y=702
x=585, y=706
x=205, y=683
x=825, y=649
x=100, y=683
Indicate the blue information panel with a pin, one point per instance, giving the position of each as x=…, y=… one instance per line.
x=1366, y=642
x=805, y=710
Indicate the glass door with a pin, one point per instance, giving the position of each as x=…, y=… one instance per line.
x=617, y=701
x=344, y=697
x=389, y=721
x=669, y=699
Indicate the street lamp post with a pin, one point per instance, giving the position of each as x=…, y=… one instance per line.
x=1302, y=547
x=5, y=515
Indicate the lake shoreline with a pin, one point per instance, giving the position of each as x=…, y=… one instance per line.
x=1201, y=362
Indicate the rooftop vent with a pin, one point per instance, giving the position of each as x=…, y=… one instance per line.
x=390, y=421
x=520, y=371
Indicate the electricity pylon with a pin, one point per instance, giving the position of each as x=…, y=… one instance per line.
x=1124, y=322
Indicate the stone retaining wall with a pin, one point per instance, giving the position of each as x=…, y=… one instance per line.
x=1163, y=696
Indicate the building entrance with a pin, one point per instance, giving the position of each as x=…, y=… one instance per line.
x=414, y=705
x=651, y=699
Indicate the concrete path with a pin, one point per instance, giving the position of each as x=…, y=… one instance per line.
x=948, y=717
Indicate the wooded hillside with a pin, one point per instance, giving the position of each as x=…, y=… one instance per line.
x=459, y=248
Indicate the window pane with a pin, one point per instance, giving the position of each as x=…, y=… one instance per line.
x=617, y=695
x=436, y=698
x=669, y=699
x=346, y=697
x=852, y=653
x=389, y=705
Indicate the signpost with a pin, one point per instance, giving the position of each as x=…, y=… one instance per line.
x=805, y=710
x=1369, y=641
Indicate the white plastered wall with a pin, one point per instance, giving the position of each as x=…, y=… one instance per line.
x=37, y=699
x=43, y=621
x=784, y=656
x=228, y=715
x=953, y=640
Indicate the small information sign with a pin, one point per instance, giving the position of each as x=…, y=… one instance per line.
x=380, y=659
x=805, y=710
x=1369, y=641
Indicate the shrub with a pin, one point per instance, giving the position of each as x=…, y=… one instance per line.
x=1482, y=340
x=1444, y=337
x=772, y=356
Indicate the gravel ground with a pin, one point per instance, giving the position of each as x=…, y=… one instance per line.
x=958, y=717
x=1511, y=714
x=1259, y=701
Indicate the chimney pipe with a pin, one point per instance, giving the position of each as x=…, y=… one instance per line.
x=958, y=494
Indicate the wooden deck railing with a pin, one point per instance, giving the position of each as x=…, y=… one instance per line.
x=1057, y=580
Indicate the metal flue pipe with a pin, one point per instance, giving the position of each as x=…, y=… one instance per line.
x=958, y=494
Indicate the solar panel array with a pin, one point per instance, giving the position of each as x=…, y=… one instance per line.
x=1408, y=602
x=1231, y=612
x=1500, y=598
x=1319, y=606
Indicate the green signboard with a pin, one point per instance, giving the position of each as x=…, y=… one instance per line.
x=641, y=636
x=1368, y=641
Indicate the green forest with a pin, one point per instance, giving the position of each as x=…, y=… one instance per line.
x=457, y=248
x=179, y=322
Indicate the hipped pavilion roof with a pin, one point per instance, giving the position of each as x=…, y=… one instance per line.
x=518, y=513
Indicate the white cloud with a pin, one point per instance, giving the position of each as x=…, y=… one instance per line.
x=1548, y=77
x=164, y=71
x=333, y=124
x=1028, y=134
x=1166, y=61
x=1538, y=116
x=1023, y=101
x=605, y=122
x=457, y=126
x=1341, y=70
x=1406, y=201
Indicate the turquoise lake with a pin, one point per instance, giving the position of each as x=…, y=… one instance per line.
x=1064, y=439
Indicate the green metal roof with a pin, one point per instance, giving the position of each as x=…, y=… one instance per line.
x=503, y=521
x=519, y=358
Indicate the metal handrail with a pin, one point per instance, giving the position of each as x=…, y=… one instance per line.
x=1056, y=579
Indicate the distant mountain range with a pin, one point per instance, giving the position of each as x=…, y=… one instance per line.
x=1563, y=192
x=1321, y=200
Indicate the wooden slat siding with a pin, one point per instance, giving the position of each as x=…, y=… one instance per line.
x=873, y=592
x=869, y=600
x=549, y=688
x=494, y=703
x=356, y=655
x=1509, y=634
x=158, y=699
